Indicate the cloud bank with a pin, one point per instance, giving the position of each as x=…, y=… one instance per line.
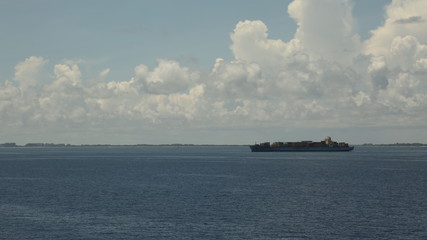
x=324, y=77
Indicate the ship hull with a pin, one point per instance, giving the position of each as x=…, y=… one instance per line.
x=256, y=148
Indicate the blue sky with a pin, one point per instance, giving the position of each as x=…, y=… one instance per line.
x=212, y=71
x=121, y=35
x=125, y=34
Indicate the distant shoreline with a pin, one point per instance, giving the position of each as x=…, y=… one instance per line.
x=59, y=145
x=396, y=144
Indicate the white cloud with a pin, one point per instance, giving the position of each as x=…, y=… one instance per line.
x=324, y=77
x=104, y=73
x=251, y=44
x=326, y=28
x=168, y=77
x=62, y=98
x=8, y=91
x=402, y=18
x=406, y=53
x=26, y=72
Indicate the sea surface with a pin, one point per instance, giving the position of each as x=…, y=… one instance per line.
x=212, y=192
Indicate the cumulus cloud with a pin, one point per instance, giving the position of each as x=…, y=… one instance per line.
x=402, y=18
x=168, y=77
x=323, y=77
x=326, y=28
x=26, y=72
x=251, y=44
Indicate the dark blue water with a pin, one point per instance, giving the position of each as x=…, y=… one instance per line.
x=212, y=193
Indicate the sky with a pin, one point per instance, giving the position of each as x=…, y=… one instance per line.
x=213, y=72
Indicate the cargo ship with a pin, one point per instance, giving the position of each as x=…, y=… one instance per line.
x=327, y=145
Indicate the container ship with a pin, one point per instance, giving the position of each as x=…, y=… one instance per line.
x=327, y=145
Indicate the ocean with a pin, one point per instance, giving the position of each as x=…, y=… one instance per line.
x=212, y=192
